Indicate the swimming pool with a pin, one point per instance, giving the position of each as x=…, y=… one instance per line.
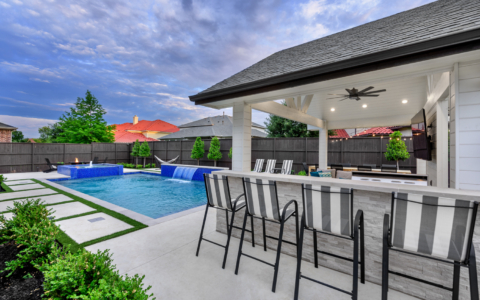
x=150, y=195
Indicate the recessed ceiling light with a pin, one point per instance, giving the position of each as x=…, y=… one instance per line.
x=332, y=109
x=404, y=101
x=364, y=106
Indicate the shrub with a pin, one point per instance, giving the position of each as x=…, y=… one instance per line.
x=139, y=166
x=302, y=173
x=230, y=154
x=214, y=151
x=153, y=165
x=86, y=275
x=396, y=148
x=198, y=150
x=2, y=179
x=144, y=151
x=30, y=228
x=148, y=166
x=121, y=164
x=131, y=166
x=60, y=163
x=136, y=150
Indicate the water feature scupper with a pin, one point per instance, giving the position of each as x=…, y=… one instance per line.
x=184, y=173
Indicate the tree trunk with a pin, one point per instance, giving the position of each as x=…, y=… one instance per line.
x=214, y=163
x=144, y=161
x=398, y=166
x=198, y=162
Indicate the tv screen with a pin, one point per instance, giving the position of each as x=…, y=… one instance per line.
x=422, y=148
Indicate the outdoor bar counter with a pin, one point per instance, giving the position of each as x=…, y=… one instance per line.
x=374, y=198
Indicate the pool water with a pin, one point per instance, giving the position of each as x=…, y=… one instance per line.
x=150, y=195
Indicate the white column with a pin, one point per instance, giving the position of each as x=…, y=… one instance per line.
x=442, y=143
x=242, y=137
x=421, y=166
x=323, y=147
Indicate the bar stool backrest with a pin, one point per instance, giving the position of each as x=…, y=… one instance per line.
x=218, y=191
x=261, y=196
x=389, y=168
x=328, y=209
x=258, y=165
x=337, y=167
x=364, y=168
x=287, y=167
x=436, y=226
x=270, y=165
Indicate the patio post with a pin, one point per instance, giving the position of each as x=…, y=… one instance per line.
x=242, y=137
x=323, y=147
x=442, y=143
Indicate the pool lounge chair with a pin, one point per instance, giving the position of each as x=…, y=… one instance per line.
x=160, y=162
x=270, y=165
x=287, y=167
x=105, y=161
x=258, y=165
x=51, y=166
x=95, y=160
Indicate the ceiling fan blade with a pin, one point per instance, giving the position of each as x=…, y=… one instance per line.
x=336, y=98
x=344, y=99
x=358, y=98
x=369, y=95
x=349, y=91
x=339, y=95
x=367, y=89
x=372, y=92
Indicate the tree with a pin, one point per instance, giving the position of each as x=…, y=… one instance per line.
x=144, y=151
x=230, y=154
x=17, y=137
x=84, y=123
x=214, y=151
x=281, y=127
x=198, y=150
x=49, y=133
x=136, y=151
x=396, y=148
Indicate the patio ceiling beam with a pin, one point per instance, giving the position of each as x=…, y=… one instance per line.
x=286, y=112
x=306, y=103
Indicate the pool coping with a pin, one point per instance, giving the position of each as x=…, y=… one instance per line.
x=119, y=209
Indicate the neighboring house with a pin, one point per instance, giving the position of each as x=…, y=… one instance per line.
x=385, y=131
x=143, y=130
x=219, y=126
x=339, y=134
x=6, y=133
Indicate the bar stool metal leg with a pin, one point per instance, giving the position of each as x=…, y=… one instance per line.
x=472, y=272
x=241, y=242
x=277, y=261
x=315, y=248
x=253, y=234
x=201, y=231
x=264, y=235
x=385, y=262
x=362, y=250
x=229, y=232
x=456, y=280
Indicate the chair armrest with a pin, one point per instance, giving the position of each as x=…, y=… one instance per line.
x=386, y=224
x=358, y=220
x=285, y=208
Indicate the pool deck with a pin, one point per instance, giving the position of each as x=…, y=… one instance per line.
x=165, y=254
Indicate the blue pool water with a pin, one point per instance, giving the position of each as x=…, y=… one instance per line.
x=149, y=195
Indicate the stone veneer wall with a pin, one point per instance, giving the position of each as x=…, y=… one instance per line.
x=5, y=136
x=374, y=206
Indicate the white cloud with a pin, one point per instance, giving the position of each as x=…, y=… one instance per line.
x=6, y=5
x=29, y=69
x=40, y=80
x=313, y=8
x=28, y=126
x=172, y=96
x=33, y=13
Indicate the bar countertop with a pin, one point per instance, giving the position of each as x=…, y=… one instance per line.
x=361, y=185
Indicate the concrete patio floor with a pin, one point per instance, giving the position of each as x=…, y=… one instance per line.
x=165, y=254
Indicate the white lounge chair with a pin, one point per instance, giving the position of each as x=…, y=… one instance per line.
x=160, y=162
x=287, y=167
x=270, y=165
x=258, y=165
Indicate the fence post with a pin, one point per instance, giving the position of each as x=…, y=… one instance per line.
x=115, y=152
x=181, y=151
x=64, y=153
x=33, y=156
x=166, y=151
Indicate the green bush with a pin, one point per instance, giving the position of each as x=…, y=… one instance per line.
x=139, y=166
x=302, y=173
x=60, y=163
x=2, y=179
x=30, y=228
x=131, y=166
x=148, y=166
x=86, y=275
x=121, y=164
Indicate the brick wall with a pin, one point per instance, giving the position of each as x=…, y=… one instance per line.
x=5, y=136
x=374, y=205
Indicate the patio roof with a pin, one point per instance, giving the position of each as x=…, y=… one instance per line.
x=441, y=28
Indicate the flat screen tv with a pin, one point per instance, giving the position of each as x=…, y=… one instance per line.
x=422, y=146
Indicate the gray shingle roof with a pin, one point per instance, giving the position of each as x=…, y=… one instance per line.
x=5, y=126
x=430, y=21
x=219, y=126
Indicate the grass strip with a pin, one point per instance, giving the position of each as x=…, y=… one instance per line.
x=65, y=240
x=6, y=188
x=136, y=225
x=76, y=216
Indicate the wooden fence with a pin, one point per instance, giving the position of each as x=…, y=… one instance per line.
x=26, y=157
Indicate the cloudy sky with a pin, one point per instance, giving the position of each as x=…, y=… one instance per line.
x=147, y=57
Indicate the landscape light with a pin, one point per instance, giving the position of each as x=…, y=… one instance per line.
x=332, y=109
x=405, y=101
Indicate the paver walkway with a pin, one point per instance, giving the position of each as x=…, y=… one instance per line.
x=52, y=199
x=26, y=194
x=70, y=209
x=24, y=187
x=17, y=182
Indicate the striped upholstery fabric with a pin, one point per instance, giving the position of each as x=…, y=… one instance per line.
x=258, y=165
x=431, y=225
x=261, y=198
x=328, y=209
x=287, y=167
x=217, y=191
x=270, y=165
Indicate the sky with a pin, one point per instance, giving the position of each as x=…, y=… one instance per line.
x=146, y=57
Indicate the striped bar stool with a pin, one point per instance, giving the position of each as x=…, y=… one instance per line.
x=218, y=196
x=329, y=210
x=262, y=203
x=436, y=228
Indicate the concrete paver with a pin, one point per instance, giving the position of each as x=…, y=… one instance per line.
x=26, y=194
x=82, y=230
x=17, y=182
x=25, y=187
x=52, y=199
x=70, y=209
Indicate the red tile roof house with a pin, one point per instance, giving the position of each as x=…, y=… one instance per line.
x=143, y=130
x=6, y=133
x=385, y=131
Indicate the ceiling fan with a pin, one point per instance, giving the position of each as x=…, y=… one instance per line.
x=355, y=94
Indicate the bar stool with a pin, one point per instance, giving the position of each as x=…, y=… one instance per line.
x=438, y=228
x=262, y=203
x=329, y=210
x=218, y=196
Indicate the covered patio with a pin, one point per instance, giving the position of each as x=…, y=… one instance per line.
x=423, y=61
